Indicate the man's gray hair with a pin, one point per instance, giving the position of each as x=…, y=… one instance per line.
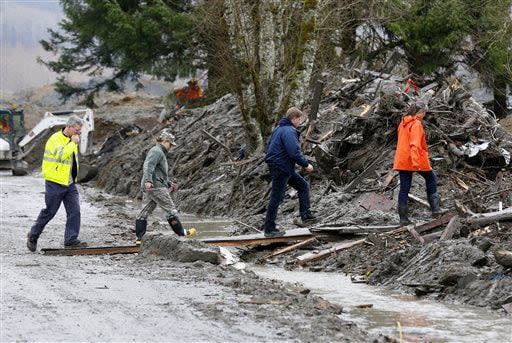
x=74, y=120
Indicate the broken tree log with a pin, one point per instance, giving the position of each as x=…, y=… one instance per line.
x=224, y=146
x=453, y=226
x=491, y=217
x=415, y=233
x=311, y=257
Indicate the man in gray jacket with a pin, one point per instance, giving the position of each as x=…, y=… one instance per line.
x=155, y=187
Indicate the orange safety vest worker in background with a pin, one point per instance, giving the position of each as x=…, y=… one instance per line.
x=189, y=93
x=411, y=150
x=412, y=156
x=194, y=91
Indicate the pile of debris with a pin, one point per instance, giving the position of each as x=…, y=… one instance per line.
x=351, y=139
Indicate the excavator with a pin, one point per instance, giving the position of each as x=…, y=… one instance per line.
x=14, y=141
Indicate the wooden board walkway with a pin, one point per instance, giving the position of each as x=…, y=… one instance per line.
x=355, y=229
x=109, y=250
x=258, y=238
x=244, y=240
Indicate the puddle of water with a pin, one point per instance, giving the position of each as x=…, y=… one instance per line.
x=206, y=227
x=420, y=320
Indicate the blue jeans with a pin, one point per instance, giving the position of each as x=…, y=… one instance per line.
x=279, y=181
x=54, y=195
x=405, y=184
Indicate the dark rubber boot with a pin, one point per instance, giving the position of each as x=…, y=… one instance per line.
x=435, y=205
x=402, y=213
x=273, y=233
x=176, y=226
x=31, y=243
x=140, y=228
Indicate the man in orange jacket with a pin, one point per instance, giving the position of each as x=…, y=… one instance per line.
x=412, y=156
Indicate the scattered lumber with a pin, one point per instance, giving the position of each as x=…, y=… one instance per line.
x=370, y=169
x=224, y=146
x=434, y=236
x=433, y=224
x=312, y=256
x=415, y=233
x=491, y=217
x=453, y=225
x=246, y=225
x=291, y=248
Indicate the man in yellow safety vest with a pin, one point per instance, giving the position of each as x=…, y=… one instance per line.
x=60, y=170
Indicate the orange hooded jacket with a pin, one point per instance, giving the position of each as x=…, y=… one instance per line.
x=411, y=150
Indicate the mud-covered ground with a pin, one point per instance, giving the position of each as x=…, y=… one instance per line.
x=135, y=298
x=210, y=183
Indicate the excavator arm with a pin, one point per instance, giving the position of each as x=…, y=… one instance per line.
x=52, y=119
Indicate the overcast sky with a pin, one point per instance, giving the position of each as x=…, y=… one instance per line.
x=23, y=23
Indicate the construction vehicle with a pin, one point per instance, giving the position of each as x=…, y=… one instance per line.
x=14, y=143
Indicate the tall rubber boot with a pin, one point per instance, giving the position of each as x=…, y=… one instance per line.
x=176, y=226
x=140, y=229
x=435, y=205
x=402, y=213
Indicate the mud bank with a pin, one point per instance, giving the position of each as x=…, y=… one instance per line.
x=136, y=298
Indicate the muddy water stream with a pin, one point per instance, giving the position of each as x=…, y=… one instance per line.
x=420, y=320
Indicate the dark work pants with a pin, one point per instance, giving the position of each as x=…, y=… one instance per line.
x=54, y=195
x=406, y=180
x=279, y=181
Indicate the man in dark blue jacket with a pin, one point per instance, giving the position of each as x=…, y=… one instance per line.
x=283, y=152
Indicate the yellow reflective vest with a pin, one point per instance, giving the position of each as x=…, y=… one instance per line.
x=58, y=158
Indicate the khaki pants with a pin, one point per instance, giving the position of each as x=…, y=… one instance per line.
x=153, y=197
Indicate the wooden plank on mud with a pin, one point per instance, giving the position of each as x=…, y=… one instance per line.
x=435, y=223
x=127, y=249
x=356, y=229
x=291, y=248
x=415, y=233
x=259, y=238
x=312, y=256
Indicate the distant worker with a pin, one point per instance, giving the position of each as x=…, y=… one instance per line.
x=283, y=152
x=189, y=94
x=156, y=185
x=60, y=170
x=412, y=156
x=4, y=124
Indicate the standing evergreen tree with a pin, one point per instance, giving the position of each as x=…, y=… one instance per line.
x=121, y=39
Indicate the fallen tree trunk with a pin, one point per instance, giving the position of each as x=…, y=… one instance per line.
x=451, y=228
x=491, y=217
